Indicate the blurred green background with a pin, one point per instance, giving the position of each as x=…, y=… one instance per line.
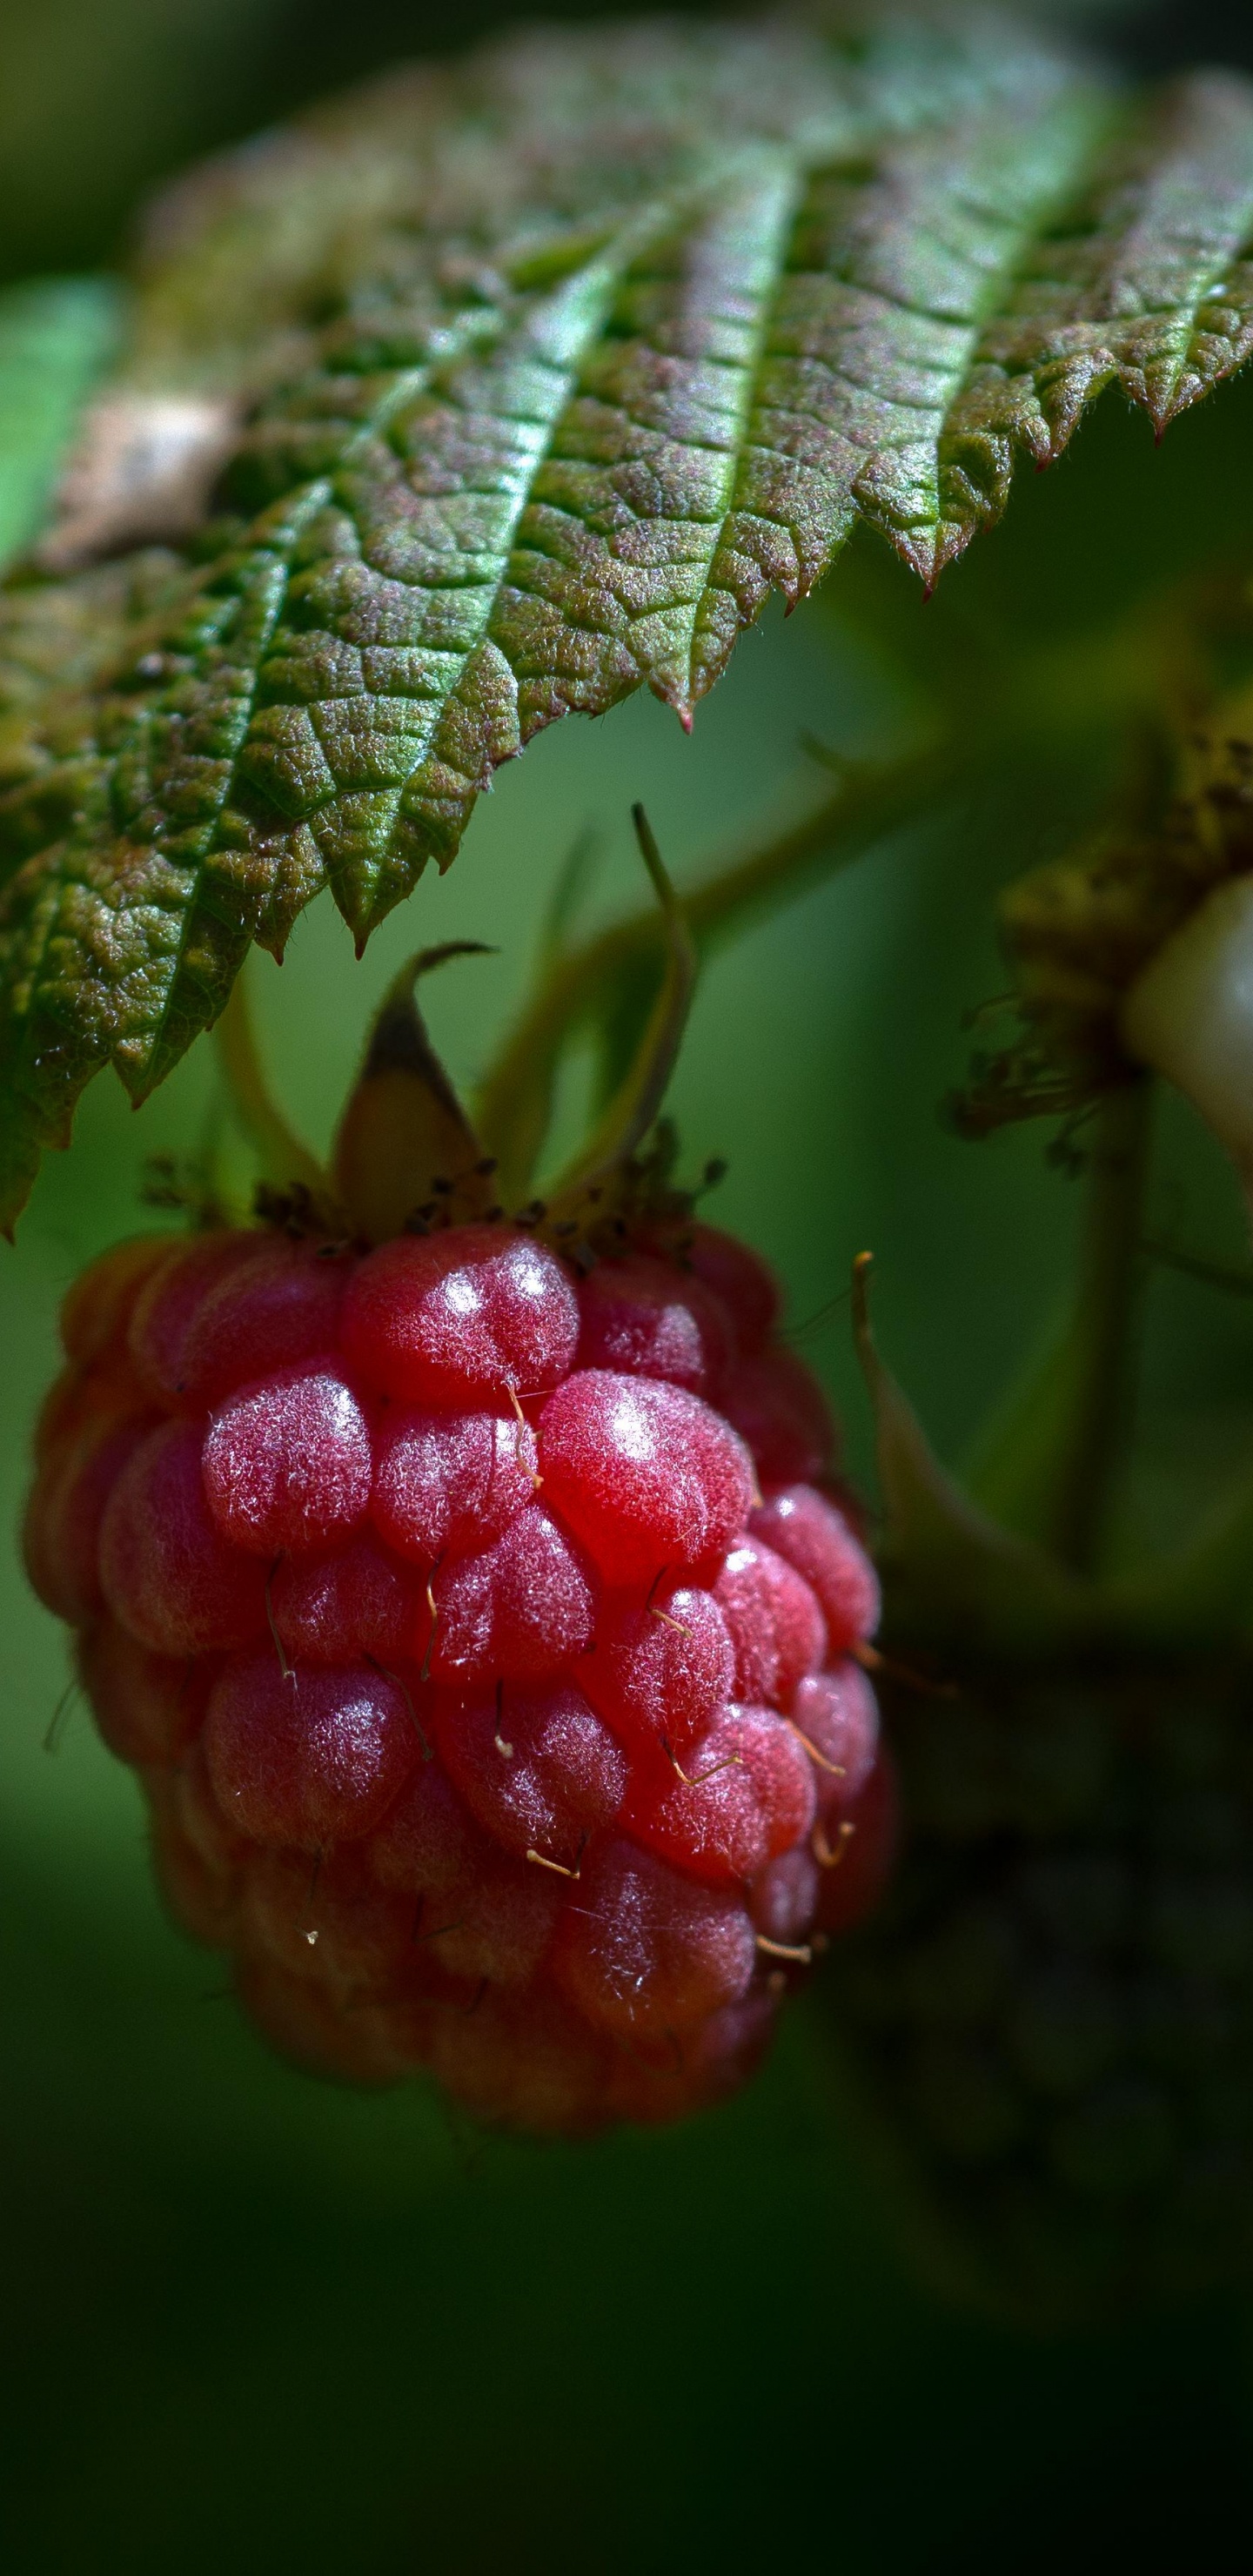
x=254, y=2322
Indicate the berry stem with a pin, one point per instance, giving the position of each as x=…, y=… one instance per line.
x=285, y=1161
x=1111, y=1272
x=585, y=986
x=630, y=1113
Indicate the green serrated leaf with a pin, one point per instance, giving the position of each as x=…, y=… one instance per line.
x=1142, y=278
x=545, y=369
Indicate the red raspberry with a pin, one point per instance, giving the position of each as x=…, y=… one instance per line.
x=456, y=1320
x=819, y=1542
x=491, y=1689
x=644, y=1474
x=642, y=1316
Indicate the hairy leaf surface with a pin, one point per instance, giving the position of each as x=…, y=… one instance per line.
x=536, y=375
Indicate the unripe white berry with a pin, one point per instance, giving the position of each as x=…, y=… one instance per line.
x=1190, y=1016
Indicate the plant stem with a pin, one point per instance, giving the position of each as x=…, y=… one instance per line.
x=283, y=1158
x=580, y=984
x=1111, y=1271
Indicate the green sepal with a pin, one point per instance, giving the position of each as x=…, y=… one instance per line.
x=969, y=1566
x=633, y=1107
x=1017, y=1466
x=1202, y=1596
x=252, y=1155
x=953, y=1577
x=610, y=987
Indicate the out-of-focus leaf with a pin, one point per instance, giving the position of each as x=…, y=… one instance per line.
x=547, y=368
x=55, y=337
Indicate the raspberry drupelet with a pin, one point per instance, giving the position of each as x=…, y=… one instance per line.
x=485, y=1641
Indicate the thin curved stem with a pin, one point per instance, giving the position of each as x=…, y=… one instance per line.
x=283, y=1156
x=1111, y=1273
x=630, y=1113
x=868, y=804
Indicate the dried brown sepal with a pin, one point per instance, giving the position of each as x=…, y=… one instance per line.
x=406, y=1157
